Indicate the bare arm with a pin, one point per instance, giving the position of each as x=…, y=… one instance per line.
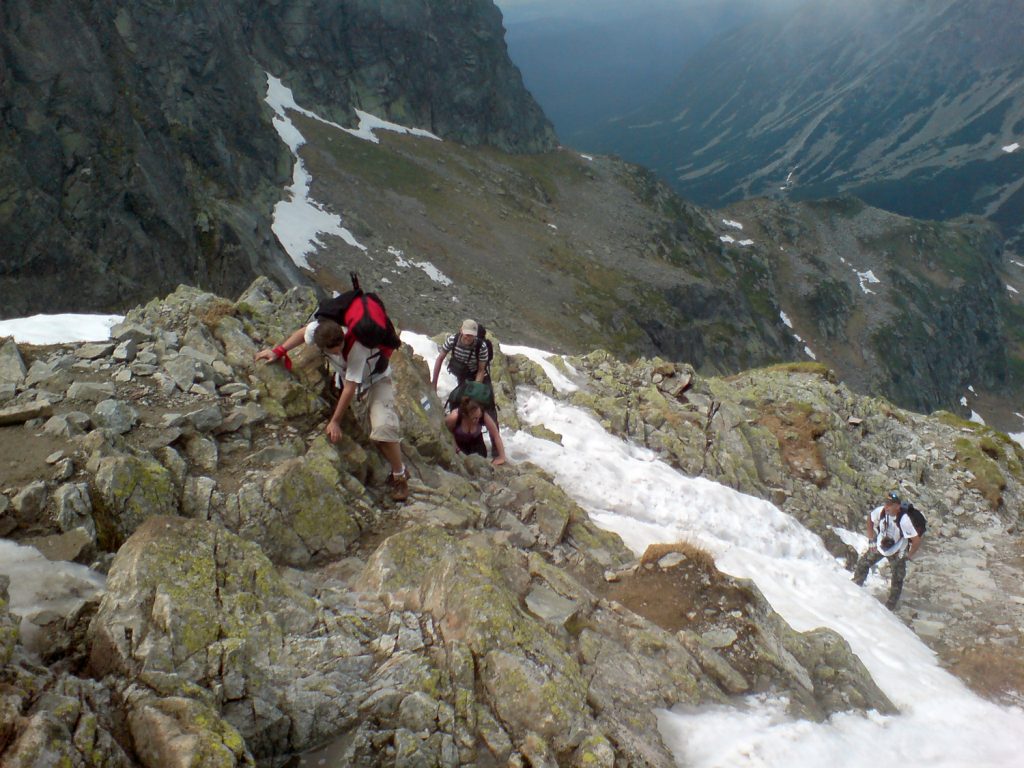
x=268, y=355
x=871, y=529
x=437, y=368
x=915, y=544
x=452, y=420
x=348, y=391
x=499, y=446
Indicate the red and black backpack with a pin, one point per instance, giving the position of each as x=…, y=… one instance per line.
x=365, y=320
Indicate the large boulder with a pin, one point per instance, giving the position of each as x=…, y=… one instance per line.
x=195, y=612
x=302, y=512
x=129, y=490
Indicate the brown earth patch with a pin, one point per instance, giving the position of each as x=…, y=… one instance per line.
x=692, y=595
x=992, y=671
x=797, y=427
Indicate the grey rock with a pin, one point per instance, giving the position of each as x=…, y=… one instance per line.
x=20, y=414
x=720, y=637
x=132, y=490
x=89, y=391
x=115, y=415
x=128, y=331
x=143, y=369
x=233, y=388
x=73, y=507
x=195, y=354
x=94, y=351
x=551, y=607
x=126, y=351
x=206, y=419
x=8, y=522
x=12, y=366
x=8, y=390
x=41, y=371
x=171, y=460
x=182, y=371
x=61, y=426
x=64, y=470
x=197, y=496
x=202, y=452
x=30, y=502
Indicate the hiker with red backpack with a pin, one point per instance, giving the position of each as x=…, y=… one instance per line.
x=894, y=532
x=356, y=336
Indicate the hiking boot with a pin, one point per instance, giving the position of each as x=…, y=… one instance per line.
x=399, y=486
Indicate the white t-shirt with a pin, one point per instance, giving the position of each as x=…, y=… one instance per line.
x=361, y=361
x=886, y=527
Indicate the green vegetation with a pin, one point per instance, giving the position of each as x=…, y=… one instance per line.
x=988, y=479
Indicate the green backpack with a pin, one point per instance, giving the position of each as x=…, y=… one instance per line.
x=478, y=391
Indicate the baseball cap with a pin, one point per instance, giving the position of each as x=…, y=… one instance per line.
x=470, y=327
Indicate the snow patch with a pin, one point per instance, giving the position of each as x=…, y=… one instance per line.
x=1011, y=148
x=1011, y=289
x=431, y=271
x=727, y=239
x=731, y=223
x=300, y=221
x=976, y=418
x=587, y=157
x=745, y=243
x=810, y=354
x=785, y=319
x=39, y=585
x=59, y=329
x=865, y=278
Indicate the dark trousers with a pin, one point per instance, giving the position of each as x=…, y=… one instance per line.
x=897, y=567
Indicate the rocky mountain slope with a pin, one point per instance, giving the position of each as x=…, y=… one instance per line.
x=263, y=600
x=609, y=257
x=905, y=105
x=136, y=150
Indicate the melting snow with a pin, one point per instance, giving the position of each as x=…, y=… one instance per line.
x=1011, y=289
x=727, y=239
x=963, y=401
x=587, y=157
x=39, y=585
x=976, y=418
x=432, y=272
x=785, y=319
x=300, y=221
x=746, y=242
x=1010, y=148
x=731, y=223
x=1018, y=263
x=810, y=354
x=866, y=277
x=59, y=329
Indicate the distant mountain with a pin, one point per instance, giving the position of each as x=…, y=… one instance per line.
x=136, y=150
x=586, y=62
x=908, y=105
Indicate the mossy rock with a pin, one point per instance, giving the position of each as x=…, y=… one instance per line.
x=129, y=490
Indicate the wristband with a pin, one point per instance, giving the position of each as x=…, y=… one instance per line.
x=280, y=351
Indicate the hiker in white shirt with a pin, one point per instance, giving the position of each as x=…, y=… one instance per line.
x=891, y=536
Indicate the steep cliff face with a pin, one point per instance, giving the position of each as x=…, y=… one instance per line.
x=137, y=151
x=912, y=310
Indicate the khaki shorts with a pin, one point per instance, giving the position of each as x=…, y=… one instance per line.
x=377, y=412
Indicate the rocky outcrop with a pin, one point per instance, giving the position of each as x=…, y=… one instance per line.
x=263, y=599
x=138, y=152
